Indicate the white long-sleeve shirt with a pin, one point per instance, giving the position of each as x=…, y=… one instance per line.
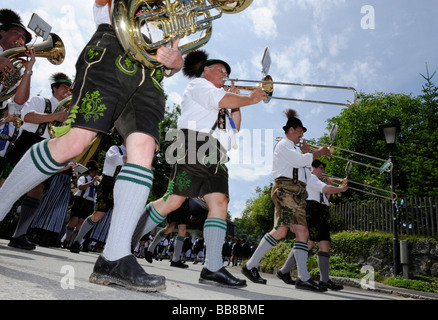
x=288, y=156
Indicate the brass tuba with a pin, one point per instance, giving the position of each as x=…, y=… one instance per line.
x=174, y=18
x=56, y=128
x=53, y=49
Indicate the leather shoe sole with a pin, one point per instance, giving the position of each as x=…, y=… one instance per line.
x=126, y=272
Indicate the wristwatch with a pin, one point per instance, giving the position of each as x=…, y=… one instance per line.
x=28, y=72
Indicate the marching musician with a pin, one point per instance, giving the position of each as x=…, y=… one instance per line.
x=291, y=171
x=109, y=85
x=200, y=173
x=36, y=114
x=317, y=216
x=13, y=34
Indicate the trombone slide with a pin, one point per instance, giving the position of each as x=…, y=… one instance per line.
x=386, y=167
x=267, y=84
x=340, y=181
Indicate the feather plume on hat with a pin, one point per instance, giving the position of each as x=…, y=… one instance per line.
x=8, y=16
x=194, y=62
x=292, y=120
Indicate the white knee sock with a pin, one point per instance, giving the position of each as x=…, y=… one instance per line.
x=214, y=234
x=35, y=166
x=131, y=192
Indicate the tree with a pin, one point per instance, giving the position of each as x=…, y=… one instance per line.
x=415, y=170
x=258, y=216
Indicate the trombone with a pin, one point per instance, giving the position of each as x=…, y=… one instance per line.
x=391, y=195
x=267, y=84
x=386, y=167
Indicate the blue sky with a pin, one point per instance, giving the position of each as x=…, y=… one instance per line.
x=373, y=46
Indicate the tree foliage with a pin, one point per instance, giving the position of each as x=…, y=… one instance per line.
x=258, y=216
x=415, y=167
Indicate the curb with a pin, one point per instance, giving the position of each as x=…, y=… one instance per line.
x=382, y=288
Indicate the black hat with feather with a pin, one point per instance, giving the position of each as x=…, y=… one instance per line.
x=197, y=60
x=9, y=18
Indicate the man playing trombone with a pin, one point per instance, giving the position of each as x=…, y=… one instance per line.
x=317, y=214
x=291, y=171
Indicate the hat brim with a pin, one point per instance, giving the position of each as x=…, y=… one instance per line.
x=211, y=62
x=21, y=26
x=285, y=128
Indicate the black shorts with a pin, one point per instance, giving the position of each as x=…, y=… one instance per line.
x=105, y=197
x=318, y=216
x=110, y=84
x=201, y=170
x=81, y=207
x=180, y=215
x=24, y=142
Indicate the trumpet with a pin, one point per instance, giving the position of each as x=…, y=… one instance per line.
x=267, y=84
x=386, y=166
x=339, y=181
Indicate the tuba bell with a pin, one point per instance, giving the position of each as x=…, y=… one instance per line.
x=53, y=49
x=174, y=18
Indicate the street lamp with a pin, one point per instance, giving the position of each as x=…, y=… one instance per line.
x=390, y=132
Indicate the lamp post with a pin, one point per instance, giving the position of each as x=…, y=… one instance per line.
x=390, y=132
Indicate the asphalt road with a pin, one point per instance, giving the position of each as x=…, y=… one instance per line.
x=58, y=274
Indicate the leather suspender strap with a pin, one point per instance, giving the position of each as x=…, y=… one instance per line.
x=42, y=126
x=295, y=176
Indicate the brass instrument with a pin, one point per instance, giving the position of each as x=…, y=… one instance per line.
x=267, y=84
x=386, y=166
x=56, y=128
x=53, y=49
x=176, y=19
x=339, y=181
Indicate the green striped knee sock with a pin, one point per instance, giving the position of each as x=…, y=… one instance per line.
x=301, y=251
x=264, y=246
x=131, y=192
x=158, y=237
x=214, y=234
x=36, y=166
x=149, y=219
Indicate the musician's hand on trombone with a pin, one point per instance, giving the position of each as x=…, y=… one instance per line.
x=258, y=95
x=232, y=88
x=304, y=147
x=323, y=151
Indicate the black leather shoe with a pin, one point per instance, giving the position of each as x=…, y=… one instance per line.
x=253, y=275
x=75, y=247
x=308, y=285
x=126, y=272
x=178, y=264
x=148, y=256
x=22, y=242
x=221, y=278
x=285, y=277
x=331, y=285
